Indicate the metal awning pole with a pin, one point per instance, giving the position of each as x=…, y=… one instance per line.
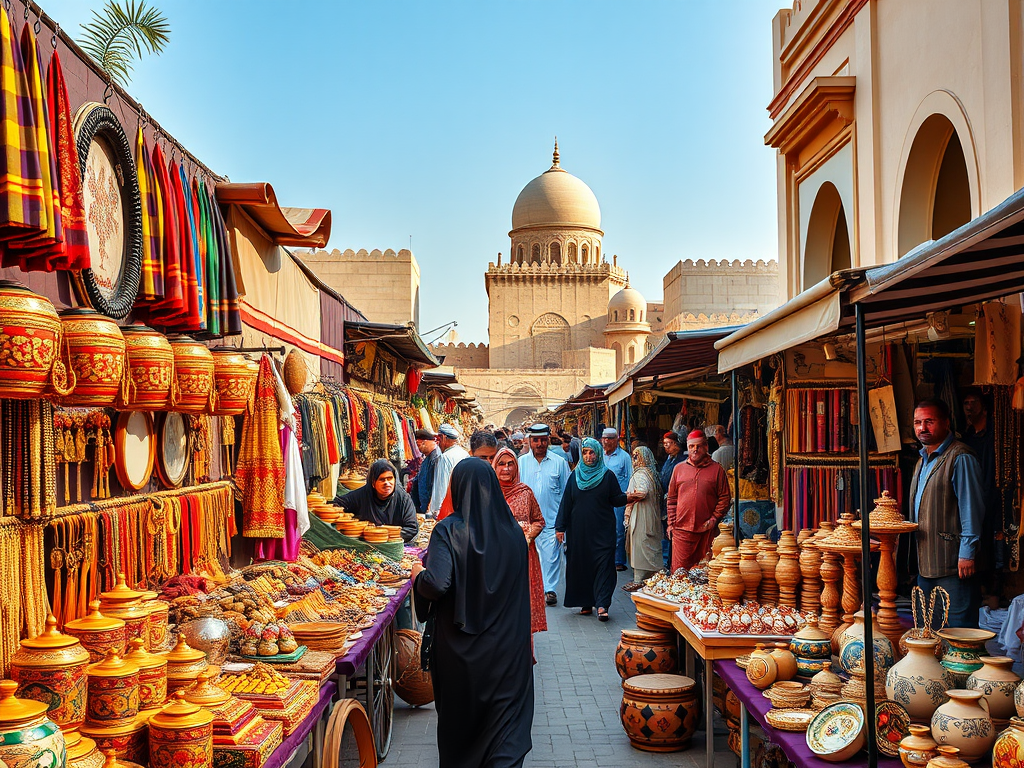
x=736, y=460
x=865, y=537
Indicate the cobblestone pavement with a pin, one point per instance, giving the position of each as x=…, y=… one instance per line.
x=578, y=692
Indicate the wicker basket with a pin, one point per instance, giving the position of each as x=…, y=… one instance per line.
x=412, y=683
x=296, y=372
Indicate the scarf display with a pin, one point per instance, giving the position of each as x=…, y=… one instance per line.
x=260, y=474
x=151, y=287
x=816, y=492
x=589, y=477
x=170, y=310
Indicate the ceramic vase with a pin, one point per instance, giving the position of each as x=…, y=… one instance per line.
x=645, y=653
x=963, y=651
x=28, y=738
x=730, y=583
x=851, y=652
x=659, y=712
x=1009, y=747
x=233, y=381
x=30, y=340
x=963, y=722
x=97, y=353
x=997, y=683
x=725, y=538
x=150, y=368
x=785, y=662
x=810, y=646
x=918, y=748
x=181, y=736
x=51, y=668
x=193, y=372
x=762, y=669
x=751, y=573
x=918, y=682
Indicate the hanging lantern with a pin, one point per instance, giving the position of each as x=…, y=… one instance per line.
x=150, y=369
x=234, y=379
x=193, y=373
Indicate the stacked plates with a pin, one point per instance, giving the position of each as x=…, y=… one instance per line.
x=376, y=535
x=352, y=528
x=788, y=695
x=320, y=635
x=394, y=532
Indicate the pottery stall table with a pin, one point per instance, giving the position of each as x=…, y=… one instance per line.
x=374, y=653
x=794, y=744
x=314, y=725
x=709, y=646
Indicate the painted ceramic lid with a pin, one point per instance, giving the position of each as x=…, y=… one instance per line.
x=112, y=666
x=143, y=659
x=17, y=712
x=206, y=693
x=121, y=593
x=660, y=684
x=94, y=621
x=180, y=715
x=51, y=637
x=50, y=648
x=148, y=594
x=183, y=653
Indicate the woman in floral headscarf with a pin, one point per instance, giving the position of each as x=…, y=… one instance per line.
x=643, y=519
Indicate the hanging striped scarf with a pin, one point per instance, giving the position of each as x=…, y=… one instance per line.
x=151, y=287
x=172, y=309
x=191, y=259
x=230, y=317
x=260, y=472
x=210, y=261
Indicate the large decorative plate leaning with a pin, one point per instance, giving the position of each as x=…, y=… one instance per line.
x=113, y=211
x=135, y=445
x=174, y=458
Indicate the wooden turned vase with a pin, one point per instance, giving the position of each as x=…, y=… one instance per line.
x=810, y=576
x=725, y=538
x=787, y=576
x=768, y=559
x=751, y=573
x=730, y=582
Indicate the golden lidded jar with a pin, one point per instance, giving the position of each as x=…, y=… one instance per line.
x=113, y=692
x=28, y=738
x=159, y=613
x=152, y=675
x=98, y=633
x=51, y=668
x=184, y=663
x=123, y=602
x=181, y=736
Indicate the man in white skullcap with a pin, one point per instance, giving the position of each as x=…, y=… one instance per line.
x=619, y=462
x=546, y=474
x=452, y=453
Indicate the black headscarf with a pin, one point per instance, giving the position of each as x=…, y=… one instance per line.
x=489, y=548
x=364, y=502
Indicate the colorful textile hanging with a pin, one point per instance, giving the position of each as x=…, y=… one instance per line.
x=230, y=317
x=260, y=473
x=75, y=246
x=210, y=266
x=171, y=310
x=21, y=183
x=191, y=286
x=151, y=287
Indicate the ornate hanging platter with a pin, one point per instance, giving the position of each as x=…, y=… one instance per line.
x=135, y=445
x=172, y=465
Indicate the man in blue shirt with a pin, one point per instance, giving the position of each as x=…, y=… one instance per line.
x=674, y=453
x=546, y=475
x=423, y=483
x=618, y=461
x=947, y=503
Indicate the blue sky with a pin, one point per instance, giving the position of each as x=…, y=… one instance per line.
x=427, y=119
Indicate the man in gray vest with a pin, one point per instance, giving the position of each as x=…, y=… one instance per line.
x=946, y=501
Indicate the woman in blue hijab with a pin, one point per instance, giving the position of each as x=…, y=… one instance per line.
x=586, y=523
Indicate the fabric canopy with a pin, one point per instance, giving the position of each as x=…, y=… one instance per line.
x=307, y=227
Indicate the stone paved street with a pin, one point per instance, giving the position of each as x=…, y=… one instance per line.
x=577, y=698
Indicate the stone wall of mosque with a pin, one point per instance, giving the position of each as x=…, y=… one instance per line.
x=463, y=355
x=705, y=294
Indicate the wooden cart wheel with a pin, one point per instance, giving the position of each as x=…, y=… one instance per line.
x=349, y=712
x=380, y=696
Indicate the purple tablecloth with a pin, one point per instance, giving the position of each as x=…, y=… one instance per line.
x=280, y=755
x=793, y=744
x=351, y=661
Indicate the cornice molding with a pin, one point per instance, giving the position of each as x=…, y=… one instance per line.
x=822, y=103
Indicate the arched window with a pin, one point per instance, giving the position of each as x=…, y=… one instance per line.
x=616, y=314
x=583, y=254
x=632, y=315
x=827, y=246
x=555, y=253
x=521, y=255
x=572, y=253
x=632, y=354
x=597, y=255
x=535, y=255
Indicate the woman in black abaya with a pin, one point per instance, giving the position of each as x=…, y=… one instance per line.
x=382, y=501
x=586, y=523
x=475, y=586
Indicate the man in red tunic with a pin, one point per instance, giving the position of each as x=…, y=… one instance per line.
x=698, y=498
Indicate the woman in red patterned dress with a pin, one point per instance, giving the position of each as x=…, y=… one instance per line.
x=527, y=512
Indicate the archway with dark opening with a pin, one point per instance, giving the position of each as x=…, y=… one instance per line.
x=827, y=246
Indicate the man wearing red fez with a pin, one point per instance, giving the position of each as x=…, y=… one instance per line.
x=698, y=498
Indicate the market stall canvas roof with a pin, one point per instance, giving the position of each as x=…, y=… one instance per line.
x=403, y=339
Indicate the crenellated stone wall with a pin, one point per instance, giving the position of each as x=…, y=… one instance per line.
x=705, y=294
x=463, y=355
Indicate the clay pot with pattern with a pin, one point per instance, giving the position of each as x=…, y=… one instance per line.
x=159, y=613
x=810, y=646
x=963, y=651
x=997, y=683
x=234, y=381
x=193, y=374
x=152, y=675
x=659, y=712
x=785, y=662
x=98, y=633
x=645, y=653
x=51, y=668
x=96, y=350
x=725, y=538
x=751, y=573
x=28, y=738
x=128, y=742
x=1009, y=747
x=184, y=663
x=918, y=682
x=114, y=696
x=762, y=669
x=918, y=748
x=150, y=369
x=181, y=736
x=125, y=603
x=30, y=343
x=964, y=722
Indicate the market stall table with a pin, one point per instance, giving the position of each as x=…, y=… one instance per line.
x=312, y=724
x=794, y=744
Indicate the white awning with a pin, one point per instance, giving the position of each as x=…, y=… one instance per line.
x=621, y=392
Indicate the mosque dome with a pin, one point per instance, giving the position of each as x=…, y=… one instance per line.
x=626, y=300
x=556, y=198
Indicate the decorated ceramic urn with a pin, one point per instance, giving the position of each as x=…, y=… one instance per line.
x=98, y=633
x=28, y=738
x=96, y=350
x=51, y=668
x=150, y=369
x=30, y=340
x=181, y=736
x=193, y=373
x=113, y=692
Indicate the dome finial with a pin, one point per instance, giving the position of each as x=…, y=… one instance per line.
x=554, y=155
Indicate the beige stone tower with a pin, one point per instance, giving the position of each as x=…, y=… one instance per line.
x=628, y=327
x=552, y=295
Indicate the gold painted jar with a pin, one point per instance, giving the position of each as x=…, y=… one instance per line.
x=113, y=692
x=125, y=603
x=98, y=633
x=28, y=738
x=128, y=742
x=150, y=368
x=152, y=675
x=82, y=752
x=181, y=736
x=97, y=353
x=51, y=668
x=30, y=338
x=206, y=693
x=159, y=612
x=234, y=380
x=184, y=663
x=193, y=373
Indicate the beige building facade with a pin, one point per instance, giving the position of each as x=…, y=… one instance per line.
x=895, y=123
x=384, y=285
x=706, y=294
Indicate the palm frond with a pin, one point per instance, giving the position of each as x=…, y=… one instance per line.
x=121, y=33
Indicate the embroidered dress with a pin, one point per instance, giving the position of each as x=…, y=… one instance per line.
x=260, y=474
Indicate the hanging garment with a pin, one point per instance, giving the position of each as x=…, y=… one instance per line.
x=151, y=286
x=230, y=316
x=260, y=474
x=171, y=309
x=193, y=286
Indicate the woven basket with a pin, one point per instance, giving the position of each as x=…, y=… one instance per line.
x=296, y=372
x=411, y=683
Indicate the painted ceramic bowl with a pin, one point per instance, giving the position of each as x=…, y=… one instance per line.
x=837, y=732
x=892, y=725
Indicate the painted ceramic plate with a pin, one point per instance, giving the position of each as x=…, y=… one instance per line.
x=742, y=661
x=174, y=453
x=135, y=446
x=796, y=720
x=892, y=724
x=836, y=729
x=113, y=211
